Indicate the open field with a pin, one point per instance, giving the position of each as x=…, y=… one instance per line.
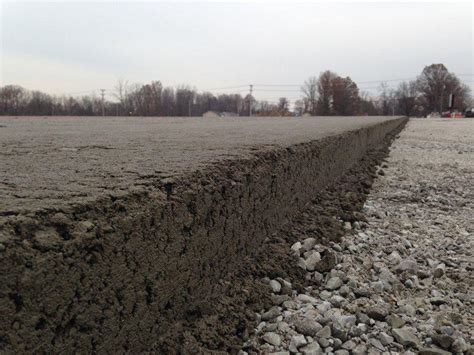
x=50, y=162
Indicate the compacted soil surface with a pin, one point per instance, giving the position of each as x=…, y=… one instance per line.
x=52, y=162
x=401, y=279
x=121, y=235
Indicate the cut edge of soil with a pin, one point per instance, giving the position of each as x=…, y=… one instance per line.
x=232, y=319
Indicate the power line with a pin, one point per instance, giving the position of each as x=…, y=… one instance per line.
x=227, y=88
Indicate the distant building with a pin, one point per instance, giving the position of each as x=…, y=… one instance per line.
x=210, y=114
x=219, y=114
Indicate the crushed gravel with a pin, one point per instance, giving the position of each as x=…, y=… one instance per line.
x=401, y=280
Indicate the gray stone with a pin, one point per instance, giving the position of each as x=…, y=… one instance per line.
x=362, y=292
x=433, y=351
x=324, y=307
x=338, y=331
x=346, y=321
x=439, y=270
x=395, y=321
x=270, y=314
x=385, y=339
x=290, y=305
x=446, y=329
x=312, y=260
x=405, y=336
x=308, y=244
x=437, y=301
x=459, y=345
x=324, y=342
x=348, y=345
x=358, y=330
x=443, y=340
x=296, y=247
x=360, y=349
x=325, y=295
x=344, y=291
x=306, y=299
x=336, y=343
x=296, y=342
x=275, y=286
x=408, y=265
x=377, y=286
x=378, y=312
x=307, y=326
x=325, y=332
x=279, y=299
x=272, y=338
x=333, y=283
x=363, y=318
x=337, y=300
x=328, y=261
x=394, y=258
x=311, y=349
x=376, y=344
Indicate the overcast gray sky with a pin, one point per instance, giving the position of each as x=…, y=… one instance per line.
x=69, y=47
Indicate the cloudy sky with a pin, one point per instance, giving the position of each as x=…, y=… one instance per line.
x=65, y=47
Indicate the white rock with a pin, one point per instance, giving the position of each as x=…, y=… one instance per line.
x=272, y=338
x=275, y=286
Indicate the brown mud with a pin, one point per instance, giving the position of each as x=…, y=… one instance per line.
x=176, y=268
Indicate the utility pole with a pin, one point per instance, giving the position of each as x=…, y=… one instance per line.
x=250, y=100
x=102, y=94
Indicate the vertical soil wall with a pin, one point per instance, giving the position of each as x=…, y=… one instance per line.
x=112, y=276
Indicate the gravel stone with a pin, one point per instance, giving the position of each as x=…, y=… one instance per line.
x=272, y=338
x=275, y=286
x=407, y=260
x=333, y=283
x=272, y=313
x=311, y=349
x=395, y=321
x=405, y=336
x=433, y=351
x=378, y=313
x=297, y=341
x=325, y=332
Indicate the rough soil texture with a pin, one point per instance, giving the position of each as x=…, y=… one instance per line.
x=56, y=161
x=165, y=267
x=401, y=279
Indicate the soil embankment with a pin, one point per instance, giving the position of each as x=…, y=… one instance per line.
x=166, y=266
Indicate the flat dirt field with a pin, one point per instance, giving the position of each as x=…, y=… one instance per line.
x=47, y=162
x=132, y=235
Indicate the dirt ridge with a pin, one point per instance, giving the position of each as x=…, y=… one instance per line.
x=119, y=274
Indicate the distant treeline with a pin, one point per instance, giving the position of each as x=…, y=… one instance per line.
x=324, y=95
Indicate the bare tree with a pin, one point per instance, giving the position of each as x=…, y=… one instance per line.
x=299, y=107
x=310, y=91
x=121, y=92
x=406, y=96
x=345, y=98
x=283, y=105
x=435, y=84
x=386, y=101
x=326, y=92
